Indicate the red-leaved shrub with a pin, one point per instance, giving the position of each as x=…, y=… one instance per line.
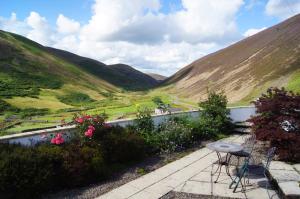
x=278, y=121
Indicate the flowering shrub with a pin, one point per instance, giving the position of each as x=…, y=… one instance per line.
x=87, y=125
x=278, y=121
x=58, y=139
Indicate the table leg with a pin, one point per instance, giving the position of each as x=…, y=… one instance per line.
x=227, y=165
x=222, y=163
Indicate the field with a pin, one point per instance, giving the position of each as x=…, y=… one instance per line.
x=117, y=106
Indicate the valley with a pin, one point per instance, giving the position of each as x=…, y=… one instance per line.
x=42, y=86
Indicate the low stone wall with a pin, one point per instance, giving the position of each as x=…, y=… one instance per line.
x=237, y=114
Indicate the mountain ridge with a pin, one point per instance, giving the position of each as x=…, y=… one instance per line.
x=120, y=75
x=245, y=69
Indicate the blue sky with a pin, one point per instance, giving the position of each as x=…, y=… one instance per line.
x=80, y=10
x=159, y=36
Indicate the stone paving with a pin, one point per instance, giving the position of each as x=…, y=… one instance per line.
x=287, y=178
x=190, y=174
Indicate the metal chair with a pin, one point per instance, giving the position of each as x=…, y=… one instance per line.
x=248, y=145
x=242, y=173
x=266, y=165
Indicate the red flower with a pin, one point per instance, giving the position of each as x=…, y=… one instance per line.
x=89, y=133
x=80, y=120
x=58, y=139
x=92, y=127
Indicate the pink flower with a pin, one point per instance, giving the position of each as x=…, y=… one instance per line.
x=58, y=139
x=92, y=127
x=80, y=120
x=53, y=141
x=89, y=133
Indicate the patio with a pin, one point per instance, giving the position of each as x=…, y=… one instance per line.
x=190, y=177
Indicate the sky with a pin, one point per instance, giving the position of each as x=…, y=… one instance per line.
x=158, y=36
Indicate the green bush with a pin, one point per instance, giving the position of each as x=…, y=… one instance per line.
x=75, y=99
x=83, y=164
x=144, y=122
x=121, y=145
x=27, y=172
x=214, y=117
x=174, y=135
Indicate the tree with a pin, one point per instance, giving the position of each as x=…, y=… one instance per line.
x=278, y=121
x=160, y=104
x=214, y=118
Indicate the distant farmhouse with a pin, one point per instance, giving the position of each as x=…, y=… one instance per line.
x=159, y=111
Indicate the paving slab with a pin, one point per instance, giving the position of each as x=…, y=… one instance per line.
x=184, y=174
x=287, y=178
x=285, y=175
x=297, y=167
x=279, y=165
x=290, y=189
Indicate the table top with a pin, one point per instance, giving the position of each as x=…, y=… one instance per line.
x=225, y=147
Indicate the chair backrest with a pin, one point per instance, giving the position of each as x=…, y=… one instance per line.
x=249, y=143
x=270, y=156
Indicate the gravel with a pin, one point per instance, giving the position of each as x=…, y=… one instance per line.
x=122, y=177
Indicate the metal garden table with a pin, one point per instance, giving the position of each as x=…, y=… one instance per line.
x=223, y=147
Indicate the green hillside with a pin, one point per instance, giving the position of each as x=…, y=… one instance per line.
x=41, y=86
x=120, y=75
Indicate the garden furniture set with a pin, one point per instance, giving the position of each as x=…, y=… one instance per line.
x=245, y=151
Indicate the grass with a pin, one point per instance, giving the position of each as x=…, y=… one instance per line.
x=294, y=82
x=121, y=105
x=50, y=102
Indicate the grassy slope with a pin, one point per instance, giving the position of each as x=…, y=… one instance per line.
x=38, y=79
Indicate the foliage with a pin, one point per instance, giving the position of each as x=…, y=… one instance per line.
x=278, y=121
x=144, y=122
x=160, y=104
x=174, y=136
x=29, y=112
x=87, y=125
x=75, y=98
x=23, y=84
x=27, y=172
x=122, y=145
x=214, y=117
x=4, y=106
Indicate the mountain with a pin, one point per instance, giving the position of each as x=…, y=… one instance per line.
x=157, y=77
x=120, y=75
x=34, y=76
x=26, y=66
x=247, y=68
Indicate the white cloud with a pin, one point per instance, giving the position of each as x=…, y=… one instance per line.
x=66, y=25
x=40, y=31
x=13, y=25
x=253, y=31
x=137, y=32
x=283, y=8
